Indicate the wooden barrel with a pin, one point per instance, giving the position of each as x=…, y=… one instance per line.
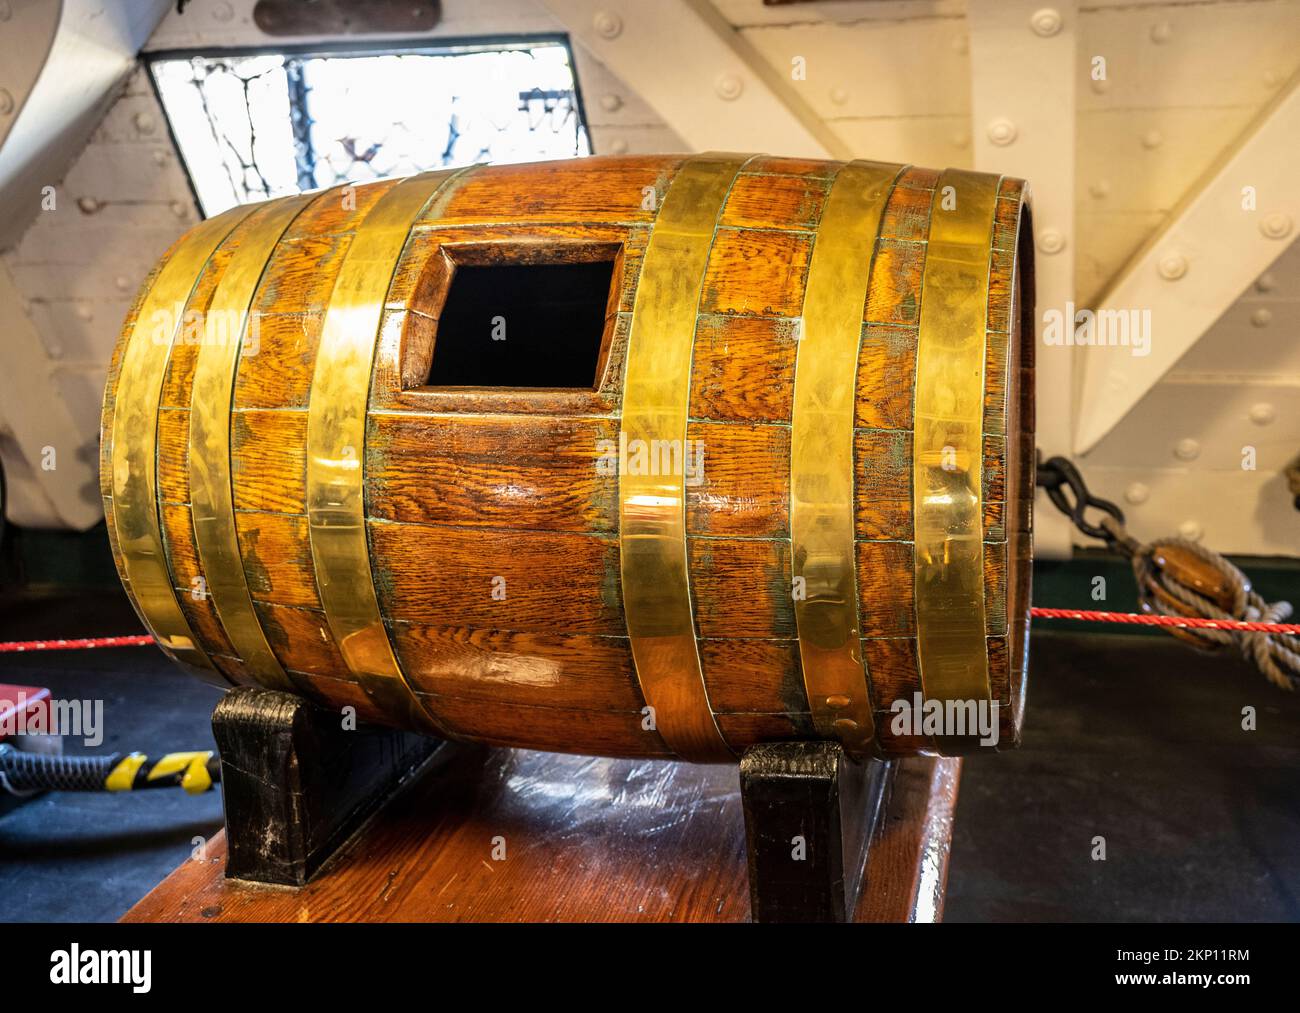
x=639, y=456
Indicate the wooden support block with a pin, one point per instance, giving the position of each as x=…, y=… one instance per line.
x=810, y=811
x=297, y=784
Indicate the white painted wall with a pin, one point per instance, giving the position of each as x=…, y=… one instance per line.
x=48, y=438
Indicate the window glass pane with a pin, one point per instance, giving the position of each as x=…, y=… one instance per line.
x=252, y=127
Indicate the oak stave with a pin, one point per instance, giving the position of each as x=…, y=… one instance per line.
x=461, y=486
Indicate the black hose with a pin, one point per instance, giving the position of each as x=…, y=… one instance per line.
x=23, y=773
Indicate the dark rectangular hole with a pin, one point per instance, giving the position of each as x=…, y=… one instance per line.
x=522, y=325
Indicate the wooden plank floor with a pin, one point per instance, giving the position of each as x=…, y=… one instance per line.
x=585, y=839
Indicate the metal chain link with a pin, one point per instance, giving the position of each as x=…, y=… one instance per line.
x=1178, y=577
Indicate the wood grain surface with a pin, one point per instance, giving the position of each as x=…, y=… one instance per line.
x=468, y=491
x=585, y=839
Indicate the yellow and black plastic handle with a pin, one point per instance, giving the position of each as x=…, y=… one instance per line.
x=23, y=773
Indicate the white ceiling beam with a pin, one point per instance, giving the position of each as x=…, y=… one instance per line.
x=92, y=51
x=27, y=31
x=1023, y=73
x=699, y=74
x=1234, y=222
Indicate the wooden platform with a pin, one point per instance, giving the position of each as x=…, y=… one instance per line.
x=585, y=839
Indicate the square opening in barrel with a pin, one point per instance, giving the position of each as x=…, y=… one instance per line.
x=524, y=317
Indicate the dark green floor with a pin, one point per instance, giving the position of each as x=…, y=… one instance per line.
x=1137, y=740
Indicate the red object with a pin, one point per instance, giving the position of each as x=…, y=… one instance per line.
x=1178, y=622
x=73, y=645
x=1132, y=618
x=14, y=700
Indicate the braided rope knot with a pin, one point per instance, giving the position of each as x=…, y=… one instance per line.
x=1169, y=586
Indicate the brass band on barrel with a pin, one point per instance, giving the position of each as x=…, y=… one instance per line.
x=947, y=459
x=652, y=508
x=211, y=495
x=821, y=455
x=336, y=435
x=135, y=437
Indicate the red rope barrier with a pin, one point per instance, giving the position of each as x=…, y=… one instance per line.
x=1179, y=622
x=1131, y=618
x=73, y=645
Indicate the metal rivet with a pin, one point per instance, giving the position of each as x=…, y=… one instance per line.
x=143, y=123
x=1162, y=31
x=160, y=157
x=728, y=87
x=1100, y=86
x=1262, y=317
x=839, y=96
x=179, y=209
x=1099, y=189
x=1172, y=266
x=611, y=103
x=6, y=102
x=961, y=44
x=223, y=12
x=1051, y=241
x=1266, y=282
x=618, y=146
x=1137, y=493
x=1276, y=226
x=88, y=205
x=1045, y=21
x=1002, y=132
x=960, y=139
x=122, y=282
x=608, y=25
x=1187, y=449
x=84, y=312
x=1191, y=530
x=1263, y=413
x=838, y=702
x=1153, y=139
x=845, y=726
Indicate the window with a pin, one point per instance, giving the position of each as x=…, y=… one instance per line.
x=258, y=125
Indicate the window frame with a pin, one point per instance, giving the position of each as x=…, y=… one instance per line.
x=405, y=46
